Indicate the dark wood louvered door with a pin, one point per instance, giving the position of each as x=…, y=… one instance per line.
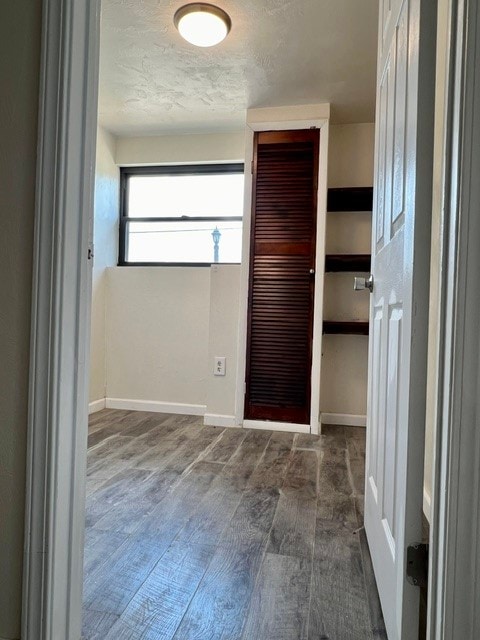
x=282, y=281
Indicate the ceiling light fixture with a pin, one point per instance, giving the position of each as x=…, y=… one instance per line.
x=202, y=24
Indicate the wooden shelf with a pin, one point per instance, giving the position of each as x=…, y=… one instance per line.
x=350, y=199
x=355, y=262
x=346, y=328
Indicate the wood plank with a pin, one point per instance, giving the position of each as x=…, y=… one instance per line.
x=229, y=442
x=350, y=199
x=358, y=327
x=127, y=516
x=220, y=605
x=252, y=520
x=193, y=450
x=99, y=435
x=280, y=600
x=178, y=449
x=339, y=606
x=213, y=513
x=174, y=511
x=104, y=416
x=333, y=477
x=355, y=439
x=272, y=467
x=374, y=606
x=332, y=447
x=109, y=464
x=357, y=476
x=96, y=624
x=113, y=585
x=348, y=263
x=157, y=608
x=111, y=423
x=106, y=448
x=145, y=422
x=93, y=484
x=340, y=509
x=302, y=474
x=243, y=463
x=293, y=528
x=99, y=546
x=117, y=489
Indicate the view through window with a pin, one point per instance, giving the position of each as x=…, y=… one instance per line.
x=181, y=214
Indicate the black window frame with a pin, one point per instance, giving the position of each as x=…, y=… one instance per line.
x=189, y=169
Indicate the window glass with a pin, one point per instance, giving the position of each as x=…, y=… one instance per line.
x=193, y=196
x=192, y=241
x=179, y=216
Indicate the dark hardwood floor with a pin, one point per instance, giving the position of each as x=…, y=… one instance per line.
x=204, y=533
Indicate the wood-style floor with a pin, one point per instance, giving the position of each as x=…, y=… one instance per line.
x=203, y=533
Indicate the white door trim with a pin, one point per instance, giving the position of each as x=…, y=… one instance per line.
x=58, y=405
x=454, y=601
x=282, y=119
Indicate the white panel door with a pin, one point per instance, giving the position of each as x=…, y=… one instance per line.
x=399, y=303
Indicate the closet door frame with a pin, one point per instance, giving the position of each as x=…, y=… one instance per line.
x=285, y=119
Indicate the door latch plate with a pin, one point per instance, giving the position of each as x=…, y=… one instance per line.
x=417, y=564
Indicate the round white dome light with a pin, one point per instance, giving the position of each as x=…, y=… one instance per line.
x=202, y=24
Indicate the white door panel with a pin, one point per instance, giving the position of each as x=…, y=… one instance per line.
x=399, y=307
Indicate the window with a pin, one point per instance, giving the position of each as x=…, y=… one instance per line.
x=181, y=215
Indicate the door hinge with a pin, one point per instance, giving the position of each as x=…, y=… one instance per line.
x=244, y=388
x=90, y=251
x=251, y=167
x=417, y=564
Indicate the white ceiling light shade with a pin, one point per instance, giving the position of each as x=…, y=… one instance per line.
x=202, y=24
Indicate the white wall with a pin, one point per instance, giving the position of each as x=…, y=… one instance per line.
x=209, y=147
x=158, y=334
x=105, y=236
x=20, y=27
x=345, y=358
x=153, y=328
x=223, y=339
x=350, y=160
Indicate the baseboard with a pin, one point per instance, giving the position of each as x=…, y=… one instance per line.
x=156, y=406
x=218, y=420
x=93, y=407
x=427, y=505
x=344, y=419
x=276, y=426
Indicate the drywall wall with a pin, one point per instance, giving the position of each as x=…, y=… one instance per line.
x=223, y=341
x=20, y=29
x=344, y=377
x=162, y=324
x=350, y=158
x=158, y=334
x=105, y=235
x=178, y=149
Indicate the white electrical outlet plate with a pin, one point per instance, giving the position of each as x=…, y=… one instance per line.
x=219, y=367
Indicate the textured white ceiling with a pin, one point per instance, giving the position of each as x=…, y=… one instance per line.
x=279, y=52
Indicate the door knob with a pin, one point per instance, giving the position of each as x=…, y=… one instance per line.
x=360, y=284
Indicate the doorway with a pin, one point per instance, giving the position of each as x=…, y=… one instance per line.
x=76, y=258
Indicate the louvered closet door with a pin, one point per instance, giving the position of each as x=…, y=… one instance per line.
x=280, y=317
